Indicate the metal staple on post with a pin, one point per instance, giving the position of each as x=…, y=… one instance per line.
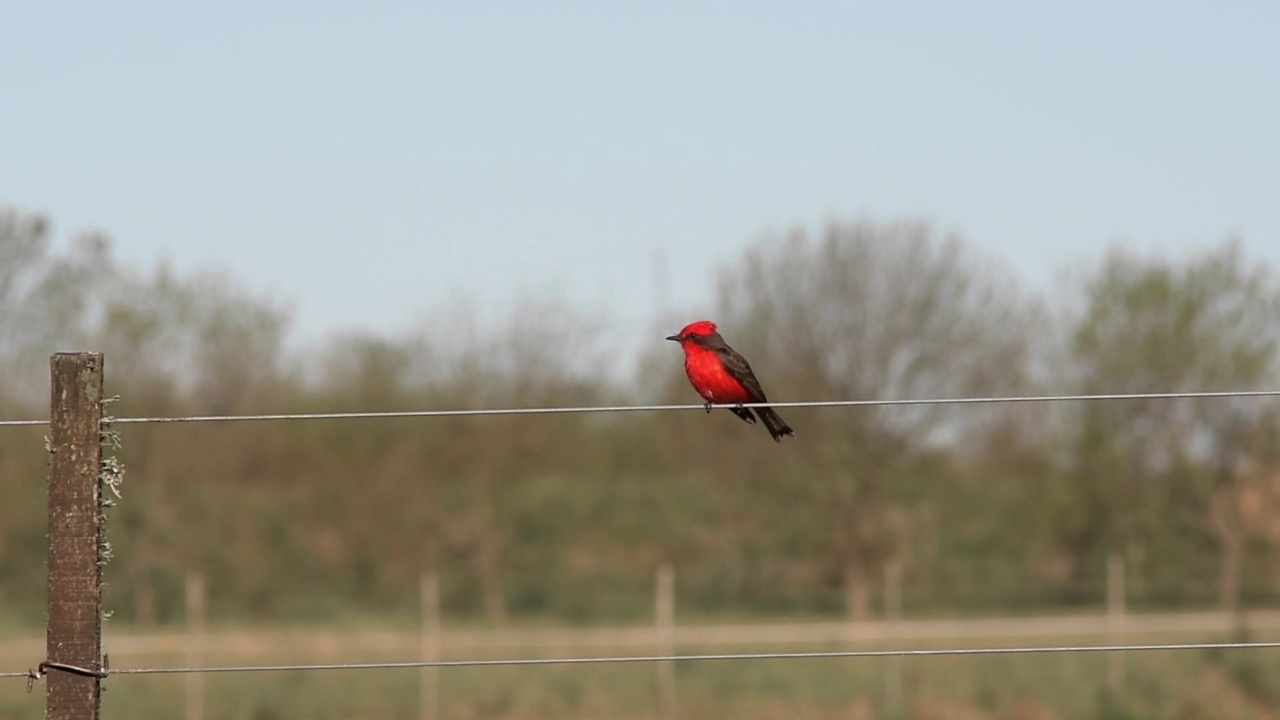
x=76, y=539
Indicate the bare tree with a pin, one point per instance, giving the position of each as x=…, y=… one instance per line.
x=873, y=311
x=1151, y=325
x=543, y=354
x=46, y=298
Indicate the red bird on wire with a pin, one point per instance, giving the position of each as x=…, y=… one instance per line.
x=722, y=376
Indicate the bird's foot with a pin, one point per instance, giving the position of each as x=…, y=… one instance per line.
x=707, y=405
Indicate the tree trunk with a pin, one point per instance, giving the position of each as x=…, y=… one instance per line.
x=487, y=561
x=144, y=599
x=1230, y=573
x=1229, y=527
x=857, y=591
x=144, y=589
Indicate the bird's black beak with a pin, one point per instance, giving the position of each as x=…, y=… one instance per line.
x=674, y=337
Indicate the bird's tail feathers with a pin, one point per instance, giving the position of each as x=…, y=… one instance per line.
x=774, y=423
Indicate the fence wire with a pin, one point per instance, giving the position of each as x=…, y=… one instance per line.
x=925, y=652
x=30, y=675
x=475, y=412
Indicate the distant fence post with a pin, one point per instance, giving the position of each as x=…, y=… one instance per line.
x=892, y=616
x=195, y=645
x=75, y=537
x=665, y=613
x=430, y=591
x=1115, y=621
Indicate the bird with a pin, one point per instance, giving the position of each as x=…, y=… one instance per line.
x=722, y=376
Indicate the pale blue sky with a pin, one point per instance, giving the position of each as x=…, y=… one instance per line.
x=366, y=161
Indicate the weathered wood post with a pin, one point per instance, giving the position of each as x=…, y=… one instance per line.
x=430, y=680
x=665, y=615
x=76, y=538
x=195, y=645
x=893, y=617
x=1115, y=621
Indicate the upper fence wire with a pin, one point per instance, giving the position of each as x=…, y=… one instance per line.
x=666, y=408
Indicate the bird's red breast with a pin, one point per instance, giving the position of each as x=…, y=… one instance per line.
x=709, y=377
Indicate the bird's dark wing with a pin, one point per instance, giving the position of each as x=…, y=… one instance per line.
x=737, y=366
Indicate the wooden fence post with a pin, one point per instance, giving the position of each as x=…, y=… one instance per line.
x=665, y=613
x=195, y=645
x=430, y=591
x=1115, y=621
x=76, y=538
x=893, y=617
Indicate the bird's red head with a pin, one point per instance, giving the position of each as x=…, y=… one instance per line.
x=701, y=328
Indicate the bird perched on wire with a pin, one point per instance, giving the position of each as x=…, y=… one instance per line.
x=722, y=376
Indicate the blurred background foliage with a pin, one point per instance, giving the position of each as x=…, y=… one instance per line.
x=994, y=509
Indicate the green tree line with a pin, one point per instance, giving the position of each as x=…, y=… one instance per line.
x=987, y=509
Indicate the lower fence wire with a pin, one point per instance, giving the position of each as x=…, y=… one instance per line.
x=927, y=652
